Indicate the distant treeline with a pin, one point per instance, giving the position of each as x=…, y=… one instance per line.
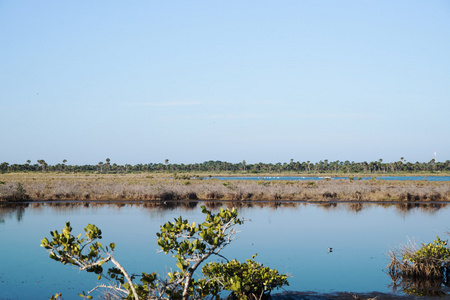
x=307, y=167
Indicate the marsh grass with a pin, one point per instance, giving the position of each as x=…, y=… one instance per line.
x=60, y=186
x=420, y=271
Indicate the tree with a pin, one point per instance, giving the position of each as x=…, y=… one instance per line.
x=190, y=244
x=100, y=165
x=166, y=161
x=4, y=167
x=42, y=163
x=108, y=164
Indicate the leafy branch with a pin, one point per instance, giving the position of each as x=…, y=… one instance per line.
x=190, y=244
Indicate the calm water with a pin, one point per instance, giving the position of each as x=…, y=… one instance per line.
x=292, y=238
x=402, y=178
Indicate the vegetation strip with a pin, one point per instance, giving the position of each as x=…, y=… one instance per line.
x=16, y=187
x=305, y=167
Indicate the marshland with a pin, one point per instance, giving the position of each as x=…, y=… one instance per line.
x=38, y=186
x=323, y=124
x=360, y=216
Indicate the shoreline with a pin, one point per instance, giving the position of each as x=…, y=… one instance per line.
x=352, y=296
x=237, y=202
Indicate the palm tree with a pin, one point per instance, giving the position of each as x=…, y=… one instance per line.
x=108, y=165
x=42, y=163
x=243, y=164
x=166, y=161
x=365, y=164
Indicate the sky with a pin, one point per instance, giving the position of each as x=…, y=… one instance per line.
x=190, y=81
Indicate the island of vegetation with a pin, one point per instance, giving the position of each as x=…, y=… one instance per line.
x=179, y=182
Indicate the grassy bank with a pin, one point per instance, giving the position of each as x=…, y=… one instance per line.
x=160, y=187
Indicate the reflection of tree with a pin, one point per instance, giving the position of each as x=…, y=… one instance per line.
x=20, y=212
x=7, y=210
x=356, y=207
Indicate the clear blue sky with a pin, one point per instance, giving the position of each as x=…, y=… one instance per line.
x=191, y=81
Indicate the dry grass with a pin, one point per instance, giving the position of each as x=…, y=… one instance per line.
x=426, y=268
x=59, y=186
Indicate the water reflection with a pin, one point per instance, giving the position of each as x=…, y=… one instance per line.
x=16, y=210
x=292, y=237
x=424, y=287
x=10, y=210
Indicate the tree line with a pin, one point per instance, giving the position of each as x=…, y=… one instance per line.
x=293, y=167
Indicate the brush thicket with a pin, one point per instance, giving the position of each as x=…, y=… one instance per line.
x=420, y=269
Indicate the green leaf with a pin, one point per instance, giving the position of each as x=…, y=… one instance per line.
x=180, y=266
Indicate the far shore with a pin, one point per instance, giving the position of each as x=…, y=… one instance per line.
x=56, y=186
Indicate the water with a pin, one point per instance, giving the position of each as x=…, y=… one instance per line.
x=293, y=238
x=401, y=178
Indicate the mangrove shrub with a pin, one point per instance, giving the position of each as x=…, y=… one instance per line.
x=189, y=244
x=417, y=270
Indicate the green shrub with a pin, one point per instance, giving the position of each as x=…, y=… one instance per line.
x=437, y=250
x=421, y=272
x=431, y=260
x=249, y=280
x=311, y=184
